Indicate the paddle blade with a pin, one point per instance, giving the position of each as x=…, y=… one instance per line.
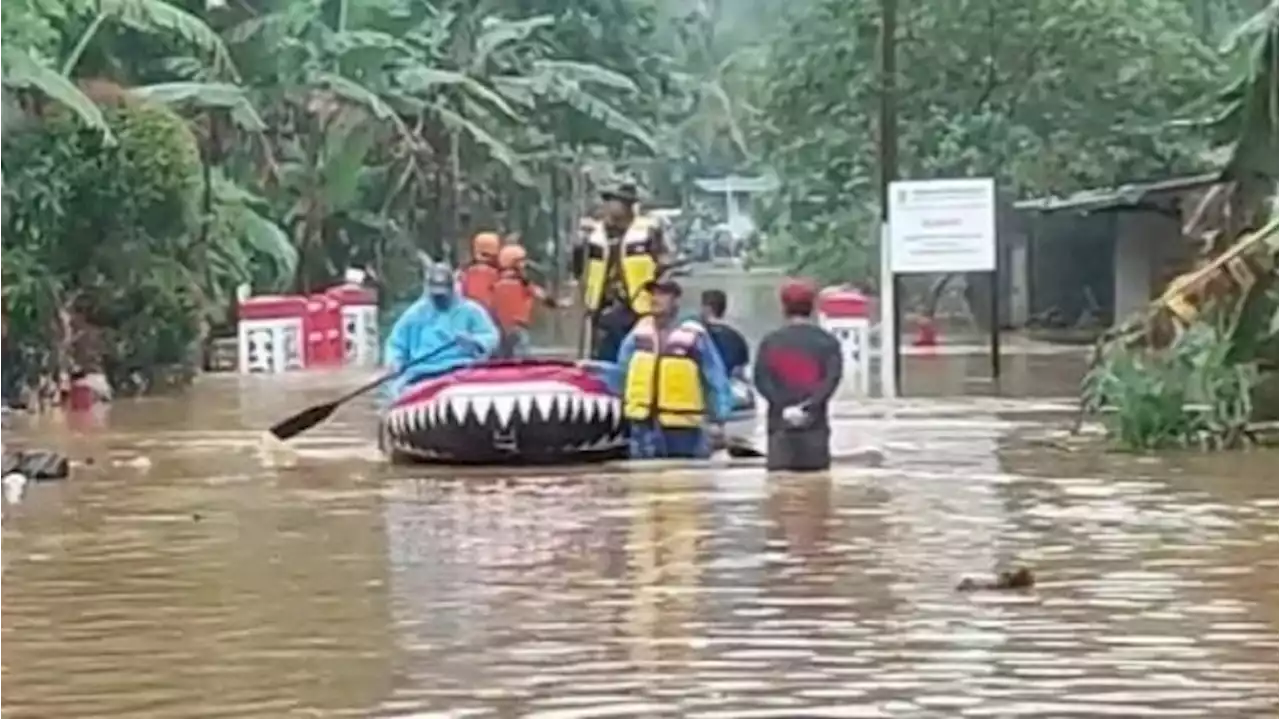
x=741, y=448
x=303, y=421
x=739, y=451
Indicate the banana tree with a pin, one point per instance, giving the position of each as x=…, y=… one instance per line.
x=32, y=67
x=463, y=100
x=243, y=244
x=1249, y=118
x=25, y=71
x=565, y=107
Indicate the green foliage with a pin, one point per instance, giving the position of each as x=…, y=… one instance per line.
x=357, y=135
x=23, y=71
x=29, y=25
x=153, y=178
x=206, y=96
x=1248, y=120
x=463, y=111
x=1046, y=98
x=113, y=232
x=244, y=245
x=1190, y=394
x=1216, y=362
x=343, y=133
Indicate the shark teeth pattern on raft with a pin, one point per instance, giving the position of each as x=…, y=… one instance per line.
x=504, y=409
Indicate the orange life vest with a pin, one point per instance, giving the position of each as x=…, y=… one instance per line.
x=513, y=300
x=478, y=280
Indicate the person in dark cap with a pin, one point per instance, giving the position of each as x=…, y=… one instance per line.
x=675, y=391
x=798, y=367
x=621, y=254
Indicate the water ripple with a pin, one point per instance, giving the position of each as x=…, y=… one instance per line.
x=212, y=587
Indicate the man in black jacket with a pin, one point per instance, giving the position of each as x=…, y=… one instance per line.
x=729, y=341
x=798, y=368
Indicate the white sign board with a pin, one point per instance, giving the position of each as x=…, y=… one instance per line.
x=942, y=225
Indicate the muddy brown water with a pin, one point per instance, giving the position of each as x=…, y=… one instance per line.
x=203, y=582
x=186, y=574
x=961, y=367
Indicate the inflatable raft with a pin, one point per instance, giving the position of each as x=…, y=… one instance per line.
x=529, y=411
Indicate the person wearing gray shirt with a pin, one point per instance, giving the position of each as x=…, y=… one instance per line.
x=798, y=368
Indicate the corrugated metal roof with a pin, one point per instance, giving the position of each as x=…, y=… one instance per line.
x=1129, y=195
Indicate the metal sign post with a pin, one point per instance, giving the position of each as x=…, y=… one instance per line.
x=889, y=377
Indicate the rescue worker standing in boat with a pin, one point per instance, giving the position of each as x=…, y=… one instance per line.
x=478, y=278
x=675, y=391
x=514, y=297
x=621, y=255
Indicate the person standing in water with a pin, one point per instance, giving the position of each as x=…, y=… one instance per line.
x=673, y=382
x=731, y=344
x=438, y=333
x=798, y=368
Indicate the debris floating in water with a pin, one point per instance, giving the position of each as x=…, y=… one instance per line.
x=139, y=462
x=15, y=484
x=1020, y=578
x=275, y=453
x=870, y=456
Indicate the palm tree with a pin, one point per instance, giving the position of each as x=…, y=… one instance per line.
x=445, y=90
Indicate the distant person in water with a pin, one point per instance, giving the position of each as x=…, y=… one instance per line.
x=798, y=368
x=731, y=344
x=438, y=333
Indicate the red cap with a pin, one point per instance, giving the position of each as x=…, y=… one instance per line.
x=796, y=291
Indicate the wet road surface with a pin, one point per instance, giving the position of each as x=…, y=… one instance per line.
x=202, y=582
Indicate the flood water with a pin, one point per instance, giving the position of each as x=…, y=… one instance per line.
x=185, y=574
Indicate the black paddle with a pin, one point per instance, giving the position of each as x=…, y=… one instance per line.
x=295, y=425
x=741, y=448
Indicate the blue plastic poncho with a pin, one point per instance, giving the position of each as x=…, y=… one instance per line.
x=438, y=333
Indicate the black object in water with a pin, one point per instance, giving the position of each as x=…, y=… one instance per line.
x=37, y=464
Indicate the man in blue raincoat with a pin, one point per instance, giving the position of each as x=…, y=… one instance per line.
x=438, y=333
x=675, y=390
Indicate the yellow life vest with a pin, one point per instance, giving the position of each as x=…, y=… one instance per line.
x=638, y=260
x=663, y=383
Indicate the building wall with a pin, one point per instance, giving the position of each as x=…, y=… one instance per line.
x=1109, y=263
x=1147, y=244
x=1014, y=258
x=1070, y=267
x=1133, y=267
x=1107, y=260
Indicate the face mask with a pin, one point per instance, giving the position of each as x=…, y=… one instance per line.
x=441, y=302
